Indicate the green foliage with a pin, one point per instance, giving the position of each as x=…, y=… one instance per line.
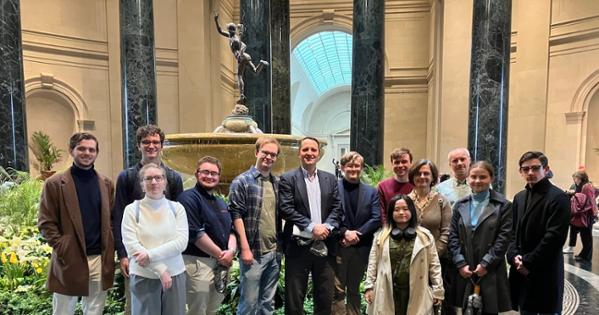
x=25, y=302
x=45, y=152
x=374, y=175
x=19, y=202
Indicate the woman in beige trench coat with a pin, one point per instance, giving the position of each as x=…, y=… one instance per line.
x=425, y=282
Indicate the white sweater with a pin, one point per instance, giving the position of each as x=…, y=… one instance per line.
x=163, y=235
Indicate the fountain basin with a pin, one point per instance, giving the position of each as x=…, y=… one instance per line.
x=236, y=152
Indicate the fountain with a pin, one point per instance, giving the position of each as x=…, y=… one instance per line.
x=233, y=142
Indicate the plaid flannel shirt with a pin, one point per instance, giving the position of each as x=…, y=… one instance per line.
x=245, y=202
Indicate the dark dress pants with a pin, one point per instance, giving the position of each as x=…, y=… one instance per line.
x=299, y=263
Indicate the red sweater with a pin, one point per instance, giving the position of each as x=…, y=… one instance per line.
x=389, y=188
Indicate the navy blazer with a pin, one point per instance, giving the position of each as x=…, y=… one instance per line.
x=367, y=218
x=295, y=208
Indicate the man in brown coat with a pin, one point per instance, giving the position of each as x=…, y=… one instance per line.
x=74, y=218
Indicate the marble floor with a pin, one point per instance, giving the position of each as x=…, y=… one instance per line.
x=581, y=292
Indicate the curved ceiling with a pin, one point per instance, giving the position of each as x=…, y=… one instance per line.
x=326, y=58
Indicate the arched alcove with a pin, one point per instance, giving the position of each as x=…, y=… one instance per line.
x=591, y=161
x=53, y=114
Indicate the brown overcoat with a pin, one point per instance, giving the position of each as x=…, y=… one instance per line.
x=59, y=221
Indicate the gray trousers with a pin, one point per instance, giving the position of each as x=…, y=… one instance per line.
x=149, y=298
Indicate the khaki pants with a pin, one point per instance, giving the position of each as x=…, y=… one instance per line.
x=93, y=304
x=202, y=297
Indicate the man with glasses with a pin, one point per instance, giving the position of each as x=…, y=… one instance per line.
x=541, y=218
x=74, y=218
x=150, y=139
x=212, y=244
x=253, y=208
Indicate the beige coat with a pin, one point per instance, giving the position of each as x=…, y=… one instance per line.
x=424, y=269
x=59, y=221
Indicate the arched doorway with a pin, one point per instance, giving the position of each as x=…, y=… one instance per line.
x=321, y=91
x=592, y=139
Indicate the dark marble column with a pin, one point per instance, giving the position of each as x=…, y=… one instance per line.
x=138, y=72
x=13, y=127
x=368, y=89
x=489, y=76
x=281, y=97
x=255, y=18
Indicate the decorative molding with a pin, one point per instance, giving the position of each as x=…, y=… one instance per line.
x=167, y=57
x=329, y=20
x=404, y=87
x=584, y=94
x=574, y=117
x=47, y=80
x=61, y=88
x=64, y=45
x=574, y=36
x=407, y=76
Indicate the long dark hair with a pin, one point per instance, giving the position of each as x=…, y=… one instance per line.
x=391, y=207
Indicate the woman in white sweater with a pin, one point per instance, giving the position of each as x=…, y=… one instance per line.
x=155, y=232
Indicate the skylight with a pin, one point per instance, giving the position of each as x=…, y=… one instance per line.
x=326, y=58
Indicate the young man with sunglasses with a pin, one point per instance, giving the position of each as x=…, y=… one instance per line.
x=541, y=215
x=150, y=139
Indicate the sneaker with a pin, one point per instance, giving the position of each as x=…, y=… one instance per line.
x=568, y=250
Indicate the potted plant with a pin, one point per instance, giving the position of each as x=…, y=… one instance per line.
x=45, y=152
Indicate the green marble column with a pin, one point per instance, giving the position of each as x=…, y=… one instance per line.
x=13, y=126
x=368, y=89
x=489, y=84
x=138, y=72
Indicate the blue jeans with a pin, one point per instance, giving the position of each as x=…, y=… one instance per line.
x=258, y=284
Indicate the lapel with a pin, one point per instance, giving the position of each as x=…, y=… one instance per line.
x=418, y=245
x=464, y=211
x=342, y=195
x=104, y=205
x=487, y=212
x=324, y=191
x=301, y=186
x=363, y=208
x=536, y=194
x=72, y=203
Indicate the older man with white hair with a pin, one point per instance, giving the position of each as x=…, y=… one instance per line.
x=456, y=187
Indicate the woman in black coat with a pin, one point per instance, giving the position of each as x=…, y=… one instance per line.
x=480, y=233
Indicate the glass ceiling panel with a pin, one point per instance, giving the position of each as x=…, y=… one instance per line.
x=326, y=59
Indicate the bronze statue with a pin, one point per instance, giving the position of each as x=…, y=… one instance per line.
x=235, y=31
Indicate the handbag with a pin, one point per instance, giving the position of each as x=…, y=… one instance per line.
x=580, y=210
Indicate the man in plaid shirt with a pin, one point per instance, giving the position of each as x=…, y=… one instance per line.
x=253, y=208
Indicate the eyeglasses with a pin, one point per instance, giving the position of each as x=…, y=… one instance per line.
x=209, y=173
x=270, y=154
x=157, y=178
x=534, y=168
x=148, y=142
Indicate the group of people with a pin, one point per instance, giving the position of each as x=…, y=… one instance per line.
x=421, y=245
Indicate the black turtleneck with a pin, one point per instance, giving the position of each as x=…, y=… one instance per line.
x=90, y=202
x=351, y=195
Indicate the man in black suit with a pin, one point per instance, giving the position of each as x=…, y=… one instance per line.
x=541, y=215
x=311, y=208
x=361, y=218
